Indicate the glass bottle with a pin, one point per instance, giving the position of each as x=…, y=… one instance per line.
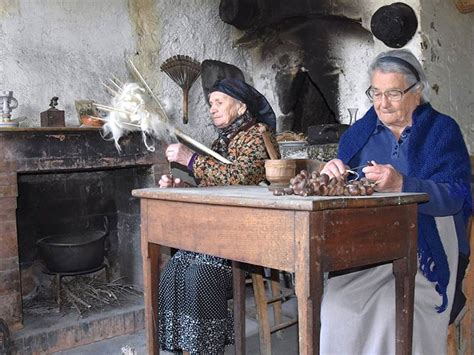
x=352, y=115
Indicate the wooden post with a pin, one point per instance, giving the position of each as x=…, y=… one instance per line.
x=151, y=277
x=239, y=307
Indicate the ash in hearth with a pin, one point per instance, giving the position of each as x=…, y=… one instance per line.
x=83, y=295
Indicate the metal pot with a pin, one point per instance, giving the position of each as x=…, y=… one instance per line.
x=73, y=252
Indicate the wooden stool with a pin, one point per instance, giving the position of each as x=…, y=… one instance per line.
x=459, y=333
x=261, y=303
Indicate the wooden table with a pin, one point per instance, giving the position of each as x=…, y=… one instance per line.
x=304, y=235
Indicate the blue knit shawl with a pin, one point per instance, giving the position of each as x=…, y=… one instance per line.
x=436, y=152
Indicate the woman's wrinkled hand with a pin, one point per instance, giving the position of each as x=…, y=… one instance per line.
x=179, y=153
x=168, y=180
x=334, y=168
x=385, y=177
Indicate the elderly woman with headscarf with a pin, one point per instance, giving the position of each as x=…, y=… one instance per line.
x=407, y=146
x=194, y=288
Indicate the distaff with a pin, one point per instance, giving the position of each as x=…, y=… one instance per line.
x=176, y=131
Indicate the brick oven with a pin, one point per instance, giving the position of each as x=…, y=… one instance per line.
x=55, y=180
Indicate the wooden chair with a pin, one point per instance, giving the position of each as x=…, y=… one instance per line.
x=262, y=302
x=460, y=332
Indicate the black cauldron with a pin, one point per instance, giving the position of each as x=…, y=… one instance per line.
x=73, y=252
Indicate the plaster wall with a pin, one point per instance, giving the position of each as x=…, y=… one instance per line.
x=62, y=48
x=448, y=51
x=66, y=48
x=193, y=27
x=347, y=44
x=355, y=55
x=445, y=54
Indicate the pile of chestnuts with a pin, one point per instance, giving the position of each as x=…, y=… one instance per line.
x=315, y=184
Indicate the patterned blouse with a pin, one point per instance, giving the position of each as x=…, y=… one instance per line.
x=247, y=152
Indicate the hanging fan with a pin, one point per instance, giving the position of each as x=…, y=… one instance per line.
x=184, y=71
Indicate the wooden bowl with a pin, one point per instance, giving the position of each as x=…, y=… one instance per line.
x=279, y=171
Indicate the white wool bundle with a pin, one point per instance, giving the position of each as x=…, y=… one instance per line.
x=131, y=114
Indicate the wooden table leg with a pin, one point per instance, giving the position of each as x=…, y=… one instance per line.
x=404, y=271
x=308, y=282
x=151, y=277
x=239, y=307
x=404, y=288
x=309, y=311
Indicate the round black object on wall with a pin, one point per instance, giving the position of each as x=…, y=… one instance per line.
x=394, y=24
x=243, y=14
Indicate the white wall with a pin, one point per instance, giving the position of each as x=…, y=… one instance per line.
x=193, y=28
x=358, y=56
x=61, y=48
x=448, y=52
x=66, y=48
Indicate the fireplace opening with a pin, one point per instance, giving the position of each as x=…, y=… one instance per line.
x=67, y=180
x=311, y=49
x=69, y=202
x=76, y=204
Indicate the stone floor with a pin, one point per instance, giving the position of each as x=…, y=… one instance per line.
x=47, y=330
x=136, y=343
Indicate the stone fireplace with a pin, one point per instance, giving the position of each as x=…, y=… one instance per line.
x=57, y=180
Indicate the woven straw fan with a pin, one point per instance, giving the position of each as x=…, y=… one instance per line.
x=184, y=71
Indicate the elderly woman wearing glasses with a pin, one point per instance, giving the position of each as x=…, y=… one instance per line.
x=406, y=146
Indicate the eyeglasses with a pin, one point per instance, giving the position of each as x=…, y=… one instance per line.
x=392, y=95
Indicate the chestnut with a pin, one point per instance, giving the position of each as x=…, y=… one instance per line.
x=288, y=191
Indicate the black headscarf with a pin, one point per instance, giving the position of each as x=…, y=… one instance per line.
x=256, y=103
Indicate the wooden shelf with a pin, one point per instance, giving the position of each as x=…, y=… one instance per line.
x=48, y=129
